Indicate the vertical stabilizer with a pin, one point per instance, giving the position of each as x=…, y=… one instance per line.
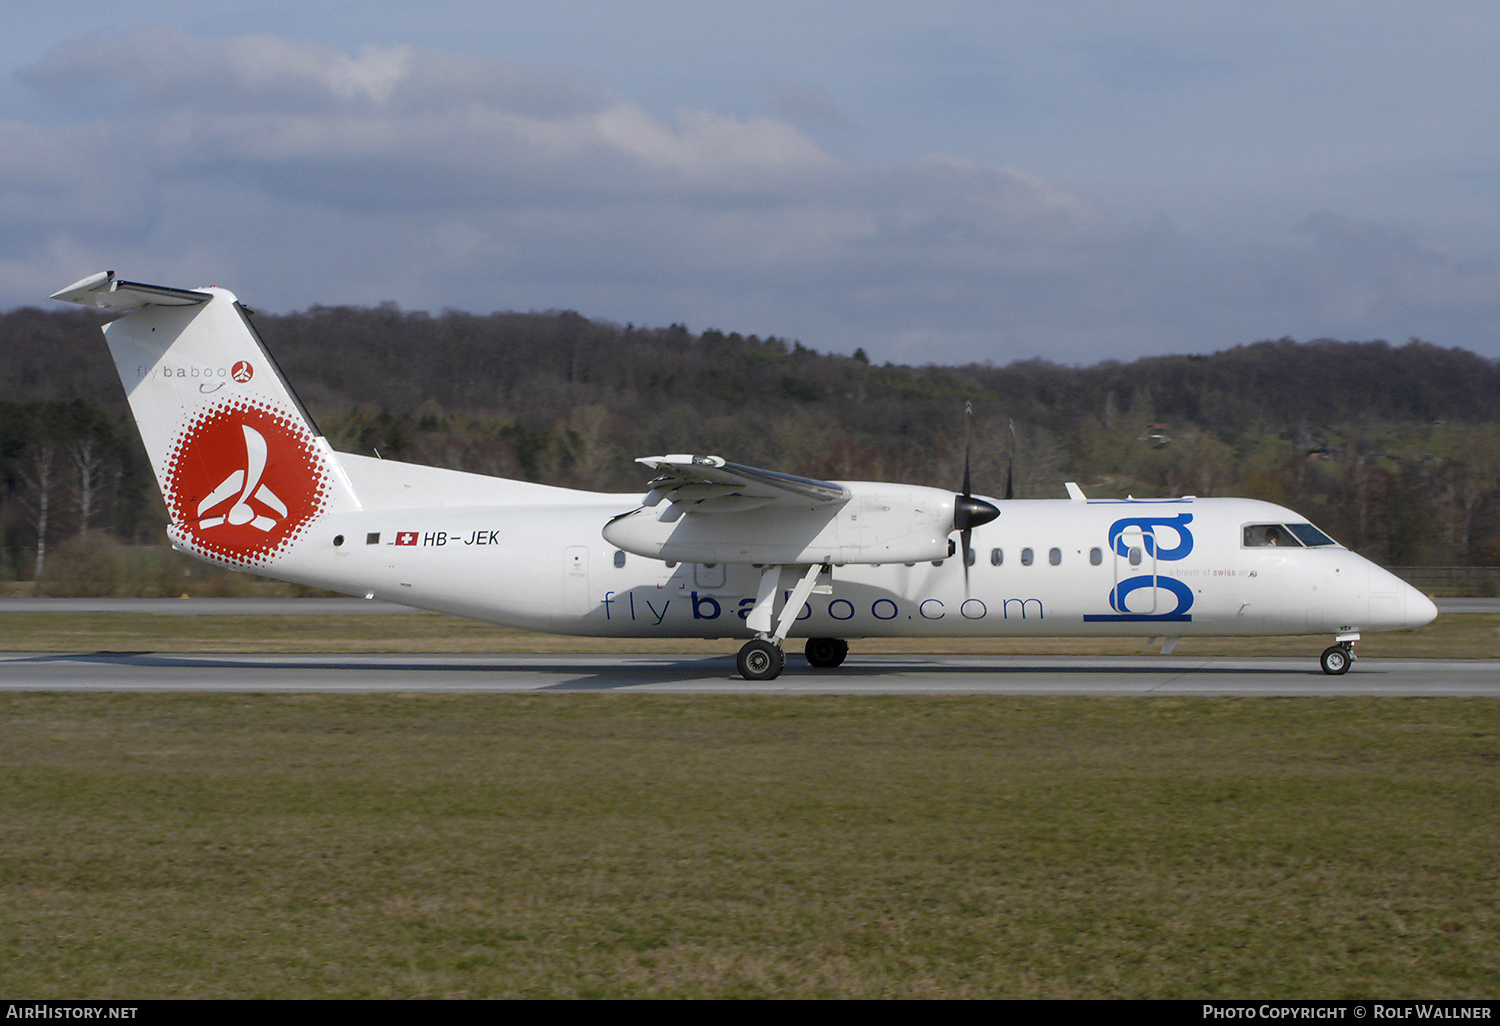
x=243, y=469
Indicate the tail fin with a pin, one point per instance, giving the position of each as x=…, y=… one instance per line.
x=244, y=471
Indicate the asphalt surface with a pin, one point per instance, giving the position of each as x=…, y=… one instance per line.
x=869, y=675
x=204, y=606
x=999, y=675
x=305, y=606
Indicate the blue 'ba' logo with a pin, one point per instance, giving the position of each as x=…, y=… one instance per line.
x=1160, y=539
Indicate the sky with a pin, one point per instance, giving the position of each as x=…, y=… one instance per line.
x=949, y=182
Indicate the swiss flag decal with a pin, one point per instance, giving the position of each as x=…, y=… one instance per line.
x=406, y=537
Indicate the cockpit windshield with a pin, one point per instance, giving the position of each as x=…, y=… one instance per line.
x=1309, y=535
x=1293, y=536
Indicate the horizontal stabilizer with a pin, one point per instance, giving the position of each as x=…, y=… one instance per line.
x=107, y=292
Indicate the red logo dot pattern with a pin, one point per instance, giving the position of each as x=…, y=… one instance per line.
x=244, y=480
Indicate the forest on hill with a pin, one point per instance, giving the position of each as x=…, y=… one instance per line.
x=1392, y=449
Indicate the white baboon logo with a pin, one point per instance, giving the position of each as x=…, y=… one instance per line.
x=247, y=484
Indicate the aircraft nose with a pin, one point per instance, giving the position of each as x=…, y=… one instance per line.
x=1420, y=610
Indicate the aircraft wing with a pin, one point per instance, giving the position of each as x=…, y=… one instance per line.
x=708, y=484
x=720, y=512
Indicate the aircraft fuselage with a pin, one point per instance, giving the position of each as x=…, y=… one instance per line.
x=1045, y=567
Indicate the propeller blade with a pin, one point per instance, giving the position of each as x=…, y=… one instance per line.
x=964, y=532
x=969, y=512
x=968, y=419
x=1010, y=469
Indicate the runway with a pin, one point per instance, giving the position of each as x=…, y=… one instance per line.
x=347, y=606
x=689, y=674
x=207, y=606
x=867, y=675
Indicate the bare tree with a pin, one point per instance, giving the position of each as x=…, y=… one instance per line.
x=88, y=468
x=39, y=479
x=590, y=445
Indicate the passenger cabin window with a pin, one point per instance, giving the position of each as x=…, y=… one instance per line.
x=1294, y=536
x=619, y=557
x=997, y=557
x=1054, y=556
x=1096, y=556
x=1026, y=557
x=1135, y=555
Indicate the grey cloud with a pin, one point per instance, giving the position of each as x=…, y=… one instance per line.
x=1369, y=274
x=67, y=178
x=314, y=119
x=402, y=126
x=807, y=105
x=164, y=67
x=300, y=174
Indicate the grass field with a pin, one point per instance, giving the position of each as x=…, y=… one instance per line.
x=615, y=846
x=608, y=845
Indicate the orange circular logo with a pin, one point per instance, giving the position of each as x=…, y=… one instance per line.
x=244, y=481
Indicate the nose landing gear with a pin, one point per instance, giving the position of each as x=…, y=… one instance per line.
x=1338, y=657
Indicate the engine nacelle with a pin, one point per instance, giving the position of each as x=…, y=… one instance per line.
x=879, y=523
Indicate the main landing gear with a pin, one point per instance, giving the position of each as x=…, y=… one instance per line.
x=1339, y=656
x=826, y=653
x=763, y=659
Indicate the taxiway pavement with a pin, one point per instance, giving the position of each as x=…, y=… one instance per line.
x=686, y=674
x=342, y=606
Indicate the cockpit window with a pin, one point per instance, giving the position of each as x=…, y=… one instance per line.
x=1263, y=535
x=1293, y=536
x=1309, y=535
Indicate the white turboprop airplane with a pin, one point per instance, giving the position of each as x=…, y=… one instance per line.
x=714, y=549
